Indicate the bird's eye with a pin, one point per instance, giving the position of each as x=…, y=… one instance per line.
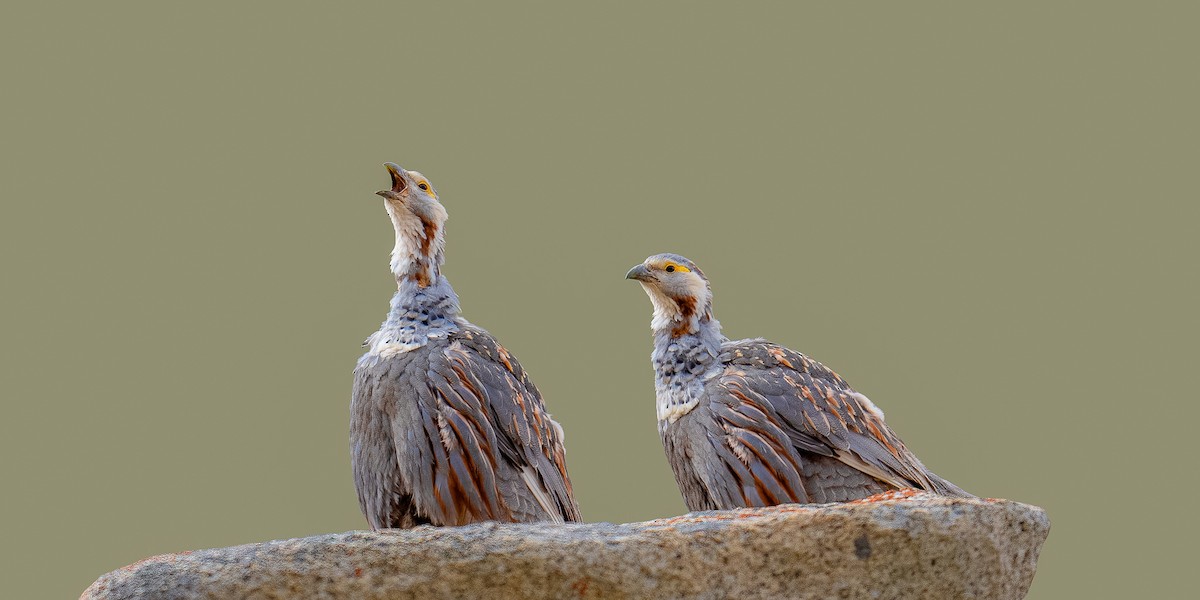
x=423, y=186
x=670, y=268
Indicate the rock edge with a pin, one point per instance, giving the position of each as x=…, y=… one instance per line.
x=899, y=545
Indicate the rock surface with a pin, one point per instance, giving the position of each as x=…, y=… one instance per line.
x=898, y=545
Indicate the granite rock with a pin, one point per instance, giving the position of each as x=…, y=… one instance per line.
x=897, y=545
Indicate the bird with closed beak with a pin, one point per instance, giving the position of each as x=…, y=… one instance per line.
x=749, y=423
x=446, y=428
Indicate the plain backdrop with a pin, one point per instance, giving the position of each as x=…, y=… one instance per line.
x=983, y=217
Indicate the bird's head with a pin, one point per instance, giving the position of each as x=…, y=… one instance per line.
x=419, y=220
x=412, y=193
x=678, y=289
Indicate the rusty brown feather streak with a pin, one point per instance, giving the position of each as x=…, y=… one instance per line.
x=470, y=435
x=427, y=269
x=751, y=425
x=422, y=268
x=687, y=311
x=535, y=435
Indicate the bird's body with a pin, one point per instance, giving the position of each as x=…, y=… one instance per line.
x=446, y=428
x=748, y=423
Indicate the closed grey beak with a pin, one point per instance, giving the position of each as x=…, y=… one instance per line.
x=640, y=273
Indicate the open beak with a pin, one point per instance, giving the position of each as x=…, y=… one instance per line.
x=398, y=182
x=640, y=273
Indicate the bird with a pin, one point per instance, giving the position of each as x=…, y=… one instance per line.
x=749, y=423
x=446, y=427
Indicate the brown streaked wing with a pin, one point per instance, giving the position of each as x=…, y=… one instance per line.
x=821, y=412
x=465, y=446
x=762, y=466
x=524, y=444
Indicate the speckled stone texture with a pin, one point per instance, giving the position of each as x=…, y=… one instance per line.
x=902, y=545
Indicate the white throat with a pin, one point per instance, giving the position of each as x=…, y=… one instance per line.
x=666, y=311
x=409, y=233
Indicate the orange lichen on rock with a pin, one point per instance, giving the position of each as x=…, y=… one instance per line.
x=731, y=515
x=905, y=545
x=751, y=513
x=901, y=494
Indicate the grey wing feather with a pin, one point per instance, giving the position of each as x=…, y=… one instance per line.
x=755, y=439
x=688, y=462
x=826, y=420
x=726, y=455
x=530, y=442
x=382, y=406
x=454, y=433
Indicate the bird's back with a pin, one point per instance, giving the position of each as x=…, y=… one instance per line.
x=453, y=432
x=774, y=426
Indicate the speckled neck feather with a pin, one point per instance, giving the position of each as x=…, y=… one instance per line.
x=684, y=357
x=417, y=315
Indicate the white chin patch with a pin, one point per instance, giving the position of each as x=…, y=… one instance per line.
x=665, y=309
x=409, y=232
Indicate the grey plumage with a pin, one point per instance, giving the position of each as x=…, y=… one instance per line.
x=749, y=423
x=446, y=428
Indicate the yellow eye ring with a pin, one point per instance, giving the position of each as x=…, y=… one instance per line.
x=423, y=185
x=672, y=267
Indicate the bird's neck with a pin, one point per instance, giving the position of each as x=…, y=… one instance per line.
x=424, y=306
x=687, y=355
x=418, y=254
x=680, y=317
x=415, y=304
x=417, y=315
x=682, y=363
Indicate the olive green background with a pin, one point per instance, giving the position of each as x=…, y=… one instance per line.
x=983, y=217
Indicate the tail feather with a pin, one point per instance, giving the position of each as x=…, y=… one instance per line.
x=945, y=488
